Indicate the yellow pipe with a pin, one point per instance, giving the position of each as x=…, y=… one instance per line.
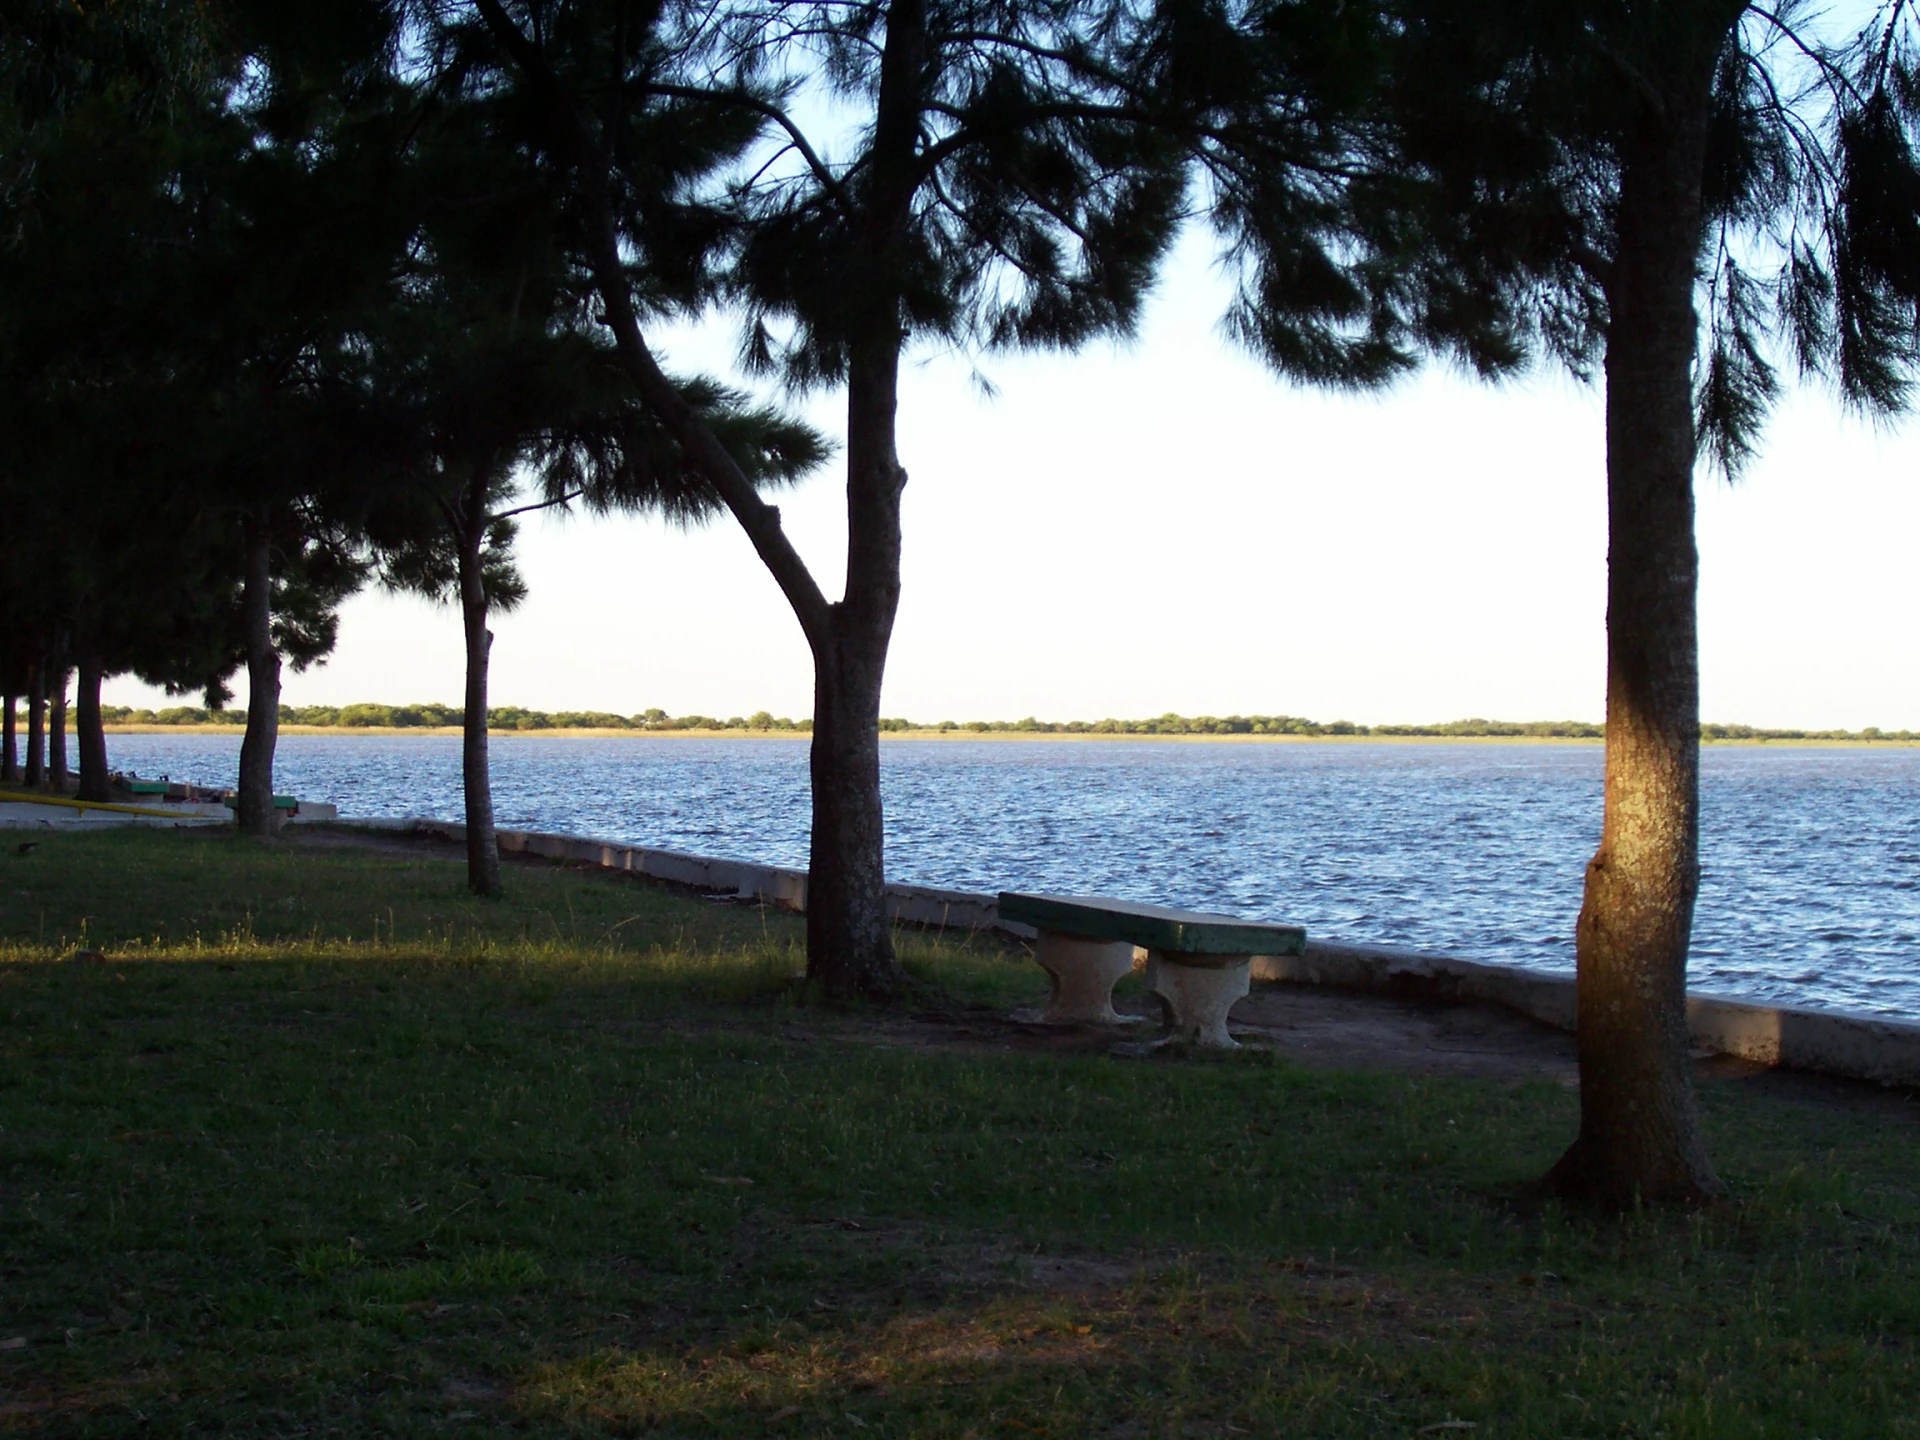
x=8, y=797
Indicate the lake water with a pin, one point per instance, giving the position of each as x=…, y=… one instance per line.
x=1811, y=857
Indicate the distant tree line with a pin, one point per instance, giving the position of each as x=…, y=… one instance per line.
x=1171, y=724
x=429, y=715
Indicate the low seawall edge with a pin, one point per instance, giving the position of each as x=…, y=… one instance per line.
x=1859, y=1047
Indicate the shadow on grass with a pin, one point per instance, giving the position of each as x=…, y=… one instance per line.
x=587, y=1169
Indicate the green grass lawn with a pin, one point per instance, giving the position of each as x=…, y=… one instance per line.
x=322, y=1146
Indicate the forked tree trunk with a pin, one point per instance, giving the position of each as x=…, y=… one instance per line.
x=1639, y=1130
x=483, y=846
x=849, y=935
x=36, y=773
x=254, y=809
x=90, y=734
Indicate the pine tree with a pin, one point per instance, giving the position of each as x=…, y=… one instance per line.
x=499, y=397
x=1682, y=198
x=1006, y=183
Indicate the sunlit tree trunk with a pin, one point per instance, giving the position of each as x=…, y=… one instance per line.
x=254, y=808
x=1639, y=1130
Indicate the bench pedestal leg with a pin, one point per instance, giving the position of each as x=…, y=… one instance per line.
x=1083, y=973
x=1196, y=998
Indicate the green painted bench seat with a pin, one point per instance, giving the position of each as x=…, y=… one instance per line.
x=1181, y=932
x=280, y=802
x=1198, y=964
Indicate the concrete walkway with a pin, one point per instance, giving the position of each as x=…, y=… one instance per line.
x=39, y=815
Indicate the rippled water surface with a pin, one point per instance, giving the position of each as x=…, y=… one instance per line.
x=1811, y=856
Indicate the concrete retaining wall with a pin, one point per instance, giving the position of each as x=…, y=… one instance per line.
x=1385, y=969
x=1829, y=1041
x=1832, y=1042
x=906, y=904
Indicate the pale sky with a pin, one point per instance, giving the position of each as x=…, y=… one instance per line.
x=1164, y=526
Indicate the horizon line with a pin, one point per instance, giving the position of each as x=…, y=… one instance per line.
x=433, y=715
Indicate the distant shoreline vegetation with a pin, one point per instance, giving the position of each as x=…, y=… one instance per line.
x=513, y=717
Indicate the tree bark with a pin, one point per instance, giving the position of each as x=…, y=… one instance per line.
x=254, y=810
x=57, y=724
x=1640, y=1134
x=849, y=934
x=90, y=733
x=483, y=846
x=10, y=738
x=36, y=769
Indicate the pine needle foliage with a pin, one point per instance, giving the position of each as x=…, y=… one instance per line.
x=1037, y=207
x=1809, y=265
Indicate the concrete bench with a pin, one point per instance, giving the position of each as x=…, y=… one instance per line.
x=1197, y=964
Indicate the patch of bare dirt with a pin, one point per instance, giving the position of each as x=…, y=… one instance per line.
x=1335, y=1030
x=1320, y=1029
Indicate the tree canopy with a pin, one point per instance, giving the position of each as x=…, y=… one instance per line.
x=303, y=285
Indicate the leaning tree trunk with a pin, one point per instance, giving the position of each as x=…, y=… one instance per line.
x=849, y=937
x=1639, y=1130
x=36, y=723
x=254, y=810
x=483, y=846
x=90, y=733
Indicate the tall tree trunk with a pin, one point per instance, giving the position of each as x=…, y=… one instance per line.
x=57, y=721
x=9, y=735
x=36, y=722
x=483, y=846
x=90, y=733
x=1639, y=1129
x=849, y=936
x=254, y=809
